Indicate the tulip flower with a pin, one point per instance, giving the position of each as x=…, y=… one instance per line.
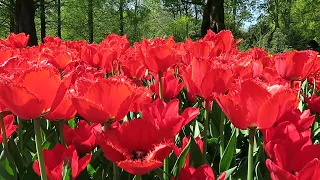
x=252, y=105
x=167, y=115
x=137, y=146
x=9, y=127
x=205, y=80
x=17, y=40
x=103, y=99
x=178, y=150
x=56, y=158
x=295, y=65
x=82, y=137
x=170, y=86
x=313, y=103
x=64, y=111
x=23, y=95
x=160, y=54
x=202, y=172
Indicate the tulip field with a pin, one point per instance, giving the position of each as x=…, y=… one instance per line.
x=157, y=109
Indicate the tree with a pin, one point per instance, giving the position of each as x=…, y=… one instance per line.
x=90, y=20
x=25, y=15
x=59, y=18
x=213, y=16
x=42, y=19
x=121, y=27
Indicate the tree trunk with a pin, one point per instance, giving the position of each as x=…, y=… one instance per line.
x=59, y=19
x=213, y=17
x=12, y=11
x=90, y=20
x=234, y=16
x=121, y=17
x=186, y=7
x=42, y=20
x=276, y=14
x=25, y=14
x=135, y=25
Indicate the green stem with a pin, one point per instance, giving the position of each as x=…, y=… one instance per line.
x=4, y=135
x=252, y=132
x=166, y=161
x=221, y=134
x=137, y=177
x=314, y=85
x=292, y=84
x=38, y=138
x=205, y=130
x=20, y=129
x=160, y=86
x=61, y=124
x=115, y=172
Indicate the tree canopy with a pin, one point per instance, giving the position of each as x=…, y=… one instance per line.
x=276, y=25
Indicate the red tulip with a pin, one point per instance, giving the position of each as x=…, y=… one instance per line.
x=5, y=54
x=205, y=80
x=104, y=59
x=170, y=86
x=203, y=172
x=278, y=173
x=166, y=116
x=313, y=103
x=17, y=40
x=132, y=66
x=55, y=158
x=117, y=43
x=295, y=65
x=284, y=145
x=82, y=137
x=103, y=99
x=32, y=92
x=144, y=96
x=9, y=127
x=137, y=146
x=160, y=54
x=178, y=150
x=60, y=59
x=252, y=105
x=64, y=111
x=310, y=171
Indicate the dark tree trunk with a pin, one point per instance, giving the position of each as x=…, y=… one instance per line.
x=59, y=19
x=186, y=7
x=12, y=14
x=135, y=26
x=25, y=14
x=234, y=16
x=42, y=20
x=121, y=28
x=90, y=20
x=213, y=17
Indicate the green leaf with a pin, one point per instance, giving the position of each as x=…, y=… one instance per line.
x=230, y=171
x=7, y=167
x=72, y=123
x=90, y=169
x=213, y=140
x=228, y=154
x=181, y=160
x=29, y=174
x=195, y=154
x=66, y=171
x=259, y=175
x=159, y=172
x=16, y=155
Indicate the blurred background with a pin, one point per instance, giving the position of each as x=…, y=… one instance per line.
x=276, y=25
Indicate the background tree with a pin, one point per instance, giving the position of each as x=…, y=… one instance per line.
x=275, y=25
